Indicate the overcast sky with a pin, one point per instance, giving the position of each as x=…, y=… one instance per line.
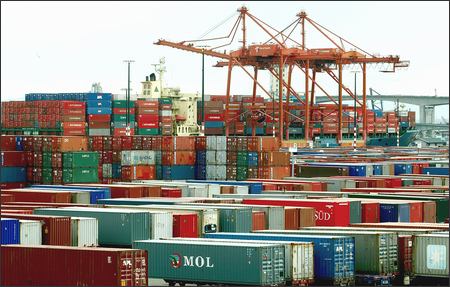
x=67, y=46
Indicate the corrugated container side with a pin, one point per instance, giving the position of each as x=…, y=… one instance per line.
x=162, y=225
x=30, y=232
x=10, y=231
x=430, y=255
x=84, y=231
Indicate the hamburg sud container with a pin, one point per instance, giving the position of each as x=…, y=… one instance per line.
x=30, y=232
x=73, y=266
x=375, y=252
x=299, y=258
x=214, y=262
x=328, y=213
x=10, y=231
x=430, y=255
x=84, y=231
x=334, y=259
x=115, y=227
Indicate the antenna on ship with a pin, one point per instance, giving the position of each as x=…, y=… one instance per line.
x=160, y=69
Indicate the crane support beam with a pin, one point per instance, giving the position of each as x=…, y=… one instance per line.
x=192, y=49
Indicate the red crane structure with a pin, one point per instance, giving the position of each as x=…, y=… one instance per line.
x=275, y=54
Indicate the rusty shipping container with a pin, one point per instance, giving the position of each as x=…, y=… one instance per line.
x=73, y=266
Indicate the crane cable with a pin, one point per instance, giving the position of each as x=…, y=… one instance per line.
x=218, y=25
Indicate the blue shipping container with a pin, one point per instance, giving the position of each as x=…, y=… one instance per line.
x=258, y=131
x=116, y=170
x=178, y=172
x=394, y=212
x=158, y=169
x=99, y=104
x=99, y=111
x=19, y=143
x=402, y=168
x=377, y=170
x=357, y=170
x=10, y=231
x=334, y=256
x=99, y=97
x=200, y=172
x=252, y=159
x=209, y=124
x=435, y=170
x=13, y=174
x=200, y=158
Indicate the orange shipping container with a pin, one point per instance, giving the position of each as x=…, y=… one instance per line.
x=140, y=172
x=69, y=143
x=269, y=144
x=178, y=158
x=258, y=220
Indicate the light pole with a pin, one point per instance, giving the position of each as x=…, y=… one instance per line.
x=128, y=96
x=355, y=129
x=203, y=84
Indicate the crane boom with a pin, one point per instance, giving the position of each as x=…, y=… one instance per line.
x=191, y=48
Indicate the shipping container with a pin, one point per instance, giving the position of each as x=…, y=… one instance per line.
x=299, y=258
x=116, y=227
x=430, y=255
x=73, y=266
x=334, y=260
x=10, y=231
x=375, y=252
x=30, y=232
x=185, y=224
x=84, y=231
x=209, y=262
x=32, y=195
x=55, y=229
x=80, y=159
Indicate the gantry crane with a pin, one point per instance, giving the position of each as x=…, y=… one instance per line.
x=275, y=52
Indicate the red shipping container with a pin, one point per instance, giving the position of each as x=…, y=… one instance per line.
x=55, y=229
x=147, y=118
x=200, y=143
x=148, y=125
x=147, y=111
x=123, y=111
x=100, y=118
x=328, y=213
x=370, y=212
x=152, y=191
x=74, y=125
x=170, y=192
x=405, y=250
x=214, y=117
x=185, y=225
x=429, y=211
x=416, y=211
x=7, y=143
x=6, y=198
x=258, y=220
x=72, y=105
x=178, y=158
x=25, y=195
x=147, y=104
x=292, y=217
x=13, y=158
x=74, y=131
x=99, y=125
x=73, y=266
x=138, y=172
x=393, y=182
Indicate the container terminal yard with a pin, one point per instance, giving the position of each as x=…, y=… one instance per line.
x=290, y=187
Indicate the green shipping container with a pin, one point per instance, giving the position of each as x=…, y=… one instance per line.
x=47, y=175
x=147, y=132
x=241, y=173
x=215, y=262
x=46, y=159
x=122, y=118
x=122, y=104
x=242, y=158
x=375, y=252
x=80, y=159
x=231, y=219
x=115, y=227
x=430, y=255
x=80, y=175
x=165, y=101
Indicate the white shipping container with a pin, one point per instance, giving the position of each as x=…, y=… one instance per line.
x=221, y=143
x=99, y=132
x=211, y=143
x=241, y=189
x=221, y=157
x=211, y=173
x=84, y=231
x=82, y=197
x=107, y=170
x=162, y=224
x=430, y=255
x=158, y=157
x=221, y=172
x=138, y=157
x=30, y=232
x=166, y=113
x=210, y=157
x=391, y=130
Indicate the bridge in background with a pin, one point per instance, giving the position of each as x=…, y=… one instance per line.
x=426, y=104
